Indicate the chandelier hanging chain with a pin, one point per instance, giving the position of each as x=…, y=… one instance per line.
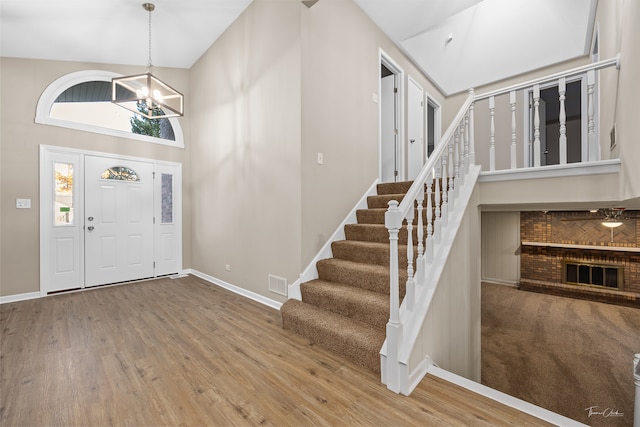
x=149, y=7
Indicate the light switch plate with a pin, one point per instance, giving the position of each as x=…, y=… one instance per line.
x=23, y=203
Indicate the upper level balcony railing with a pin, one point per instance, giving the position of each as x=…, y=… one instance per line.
x=545, y=121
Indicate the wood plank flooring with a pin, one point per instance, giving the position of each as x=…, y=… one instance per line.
x=185, y=352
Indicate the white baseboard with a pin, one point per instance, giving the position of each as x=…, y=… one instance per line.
x=505, y=399
x=19, y=297
x=500, y=282
x=236, y=289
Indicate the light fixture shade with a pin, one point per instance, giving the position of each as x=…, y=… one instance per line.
x=611, y=223
x=146, y=95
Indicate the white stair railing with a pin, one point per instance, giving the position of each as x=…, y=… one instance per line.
x=435, y=191
x=440, y=181
x=534, y=147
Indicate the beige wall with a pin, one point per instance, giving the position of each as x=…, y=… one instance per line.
x=500, y=247
x=22, y=84
x=340, y=73
x=627, y=111
x=245, y=121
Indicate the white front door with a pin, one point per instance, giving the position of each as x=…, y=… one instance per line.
x=118, y=218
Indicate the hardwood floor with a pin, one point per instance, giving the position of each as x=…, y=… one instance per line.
x=185, y=352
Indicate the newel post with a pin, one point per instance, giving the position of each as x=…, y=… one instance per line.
x=393, y=223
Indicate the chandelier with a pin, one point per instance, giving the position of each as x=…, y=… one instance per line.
x=145, y=94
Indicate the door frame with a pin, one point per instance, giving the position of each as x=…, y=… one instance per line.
x=386, y=60
x=437, y=123
x=49, y=154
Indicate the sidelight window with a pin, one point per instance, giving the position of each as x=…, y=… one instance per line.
x=63, y=200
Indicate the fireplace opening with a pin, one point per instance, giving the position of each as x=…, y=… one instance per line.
x=581, y=273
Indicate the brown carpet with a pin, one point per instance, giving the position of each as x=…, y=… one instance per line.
x=347, y=308
x=562, y=354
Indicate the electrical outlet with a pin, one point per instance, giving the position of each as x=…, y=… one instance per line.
x=320, y=158
x=227, y=267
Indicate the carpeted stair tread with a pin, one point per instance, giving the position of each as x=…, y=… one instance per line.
x=401, y=187
x=352, y=339
x=366, y=276
x=376, y=233
x=393, y=187
x=346, y=309
x=376, y=215
x=368, y=252
x=374, y=202
x=365, y=306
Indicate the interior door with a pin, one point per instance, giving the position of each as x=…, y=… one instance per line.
x=389, y=128
x=415, y=130
x=118, y=222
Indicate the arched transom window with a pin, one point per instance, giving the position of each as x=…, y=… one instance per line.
x=82, y=101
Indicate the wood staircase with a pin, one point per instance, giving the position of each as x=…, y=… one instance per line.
x=347, y=308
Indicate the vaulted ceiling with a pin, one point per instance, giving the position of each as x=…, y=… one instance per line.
x=114, y=31
x=461, y=44
x=457, y=43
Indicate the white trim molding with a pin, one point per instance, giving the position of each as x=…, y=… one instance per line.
x=236, y=289
x=19, y=297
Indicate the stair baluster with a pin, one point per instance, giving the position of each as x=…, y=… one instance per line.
x=451, y=199
x=410, y=288
x=562, y=89
x=512, y=101
x=492, y=133
x=456, y=150
x=419, y=276
x=536, y=126
x=429, y=244
x=470, y=127
x=461, y=152
x=594, y=150
x=436, y=190
x=444, y=209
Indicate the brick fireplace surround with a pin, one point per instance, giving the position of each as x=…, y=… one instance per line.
x=549, y=238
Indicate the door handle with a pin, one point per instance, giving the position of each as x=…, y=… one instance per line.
x=412, y=141
x=90, y=227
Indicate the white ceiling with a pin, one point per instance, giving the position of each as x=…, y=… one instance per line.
x=114, y=31
x=492, y=39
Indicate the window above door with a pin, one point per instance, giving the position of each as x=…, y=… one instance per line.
x=82, y=101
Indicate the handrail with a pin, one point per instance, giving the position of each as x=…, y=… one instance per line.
x=573, y=72
x=441, y=178
x=416, y=187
